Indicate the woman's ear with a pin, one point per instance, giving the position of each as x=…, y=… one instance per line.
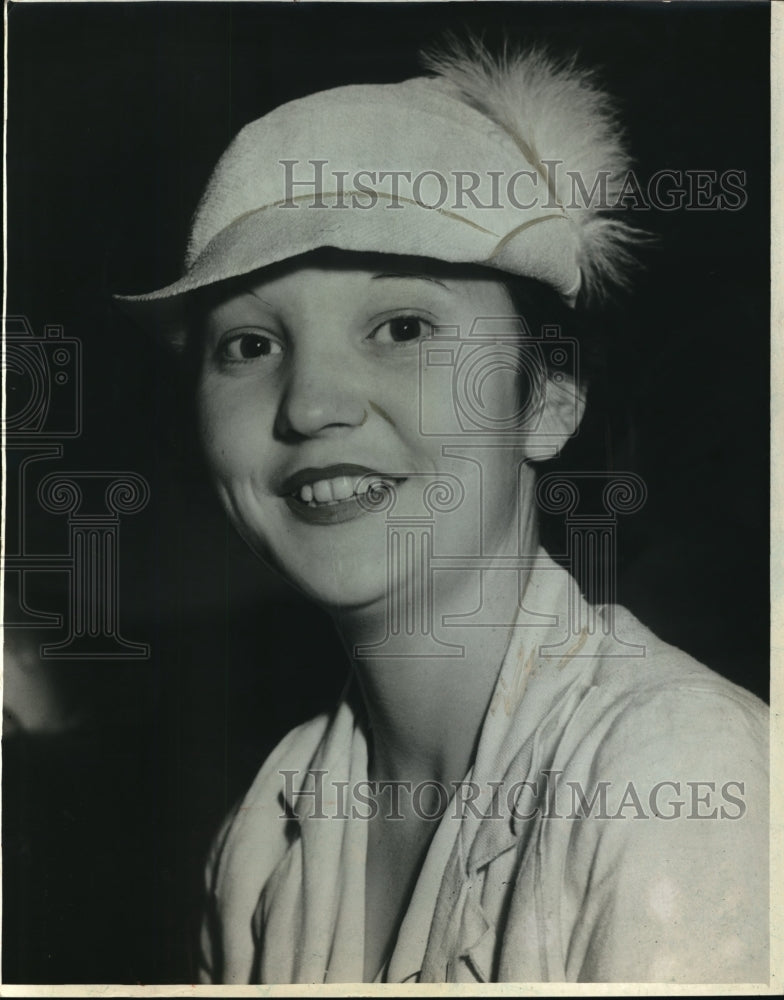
x=560, y=414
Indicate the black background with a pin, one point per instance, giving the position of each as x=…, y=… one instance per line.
x=117, y=113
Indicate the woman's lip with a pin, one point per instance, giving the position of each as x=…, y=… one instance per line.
x=326, y=513
x=295, y=482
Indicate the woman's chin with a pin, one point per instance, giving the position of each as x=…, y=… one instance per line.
x=339, y=592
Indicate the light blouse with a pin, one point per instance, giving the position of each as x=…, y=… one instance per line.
x=613, y=827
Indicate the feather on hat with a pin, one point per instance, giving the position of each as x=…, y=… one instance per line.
x=557, y=114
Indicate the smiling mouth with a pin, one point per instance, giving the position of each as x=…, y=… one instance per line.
x=336, y=494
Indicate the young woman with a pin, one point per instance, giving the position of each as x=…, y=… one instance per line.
x=515, y=786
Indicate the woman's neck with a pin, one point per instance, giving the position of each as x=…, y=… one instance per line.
x=424, y=711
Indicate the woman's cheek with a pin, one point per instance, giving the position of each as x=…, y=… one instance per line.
x=212, y=443
x=224, y=426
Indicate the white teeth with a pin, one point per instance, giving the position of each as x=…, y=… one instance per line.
x=342, y=487
x=330, y=491
x=322, y=491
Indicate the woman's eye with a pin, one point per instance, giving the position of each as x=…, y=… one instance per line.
x=248, y=346
x=402, y=329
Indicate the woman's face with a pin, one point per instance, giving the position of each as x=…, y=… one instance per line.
x=314, y=386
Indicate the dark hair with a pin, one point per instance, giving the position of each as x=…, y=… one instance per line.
x=541, y=307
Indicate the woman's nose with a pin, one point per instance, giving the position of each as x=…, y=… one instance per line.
x=321, y=396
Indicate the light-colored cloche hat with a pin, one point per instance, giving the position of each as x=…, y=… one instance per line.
x=510, y=163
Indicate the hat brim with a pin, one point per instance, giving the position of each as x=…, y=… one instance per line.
x=542, y=247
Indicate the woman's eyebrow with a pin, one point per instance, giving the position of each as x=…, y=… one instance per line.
x=420, y=277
